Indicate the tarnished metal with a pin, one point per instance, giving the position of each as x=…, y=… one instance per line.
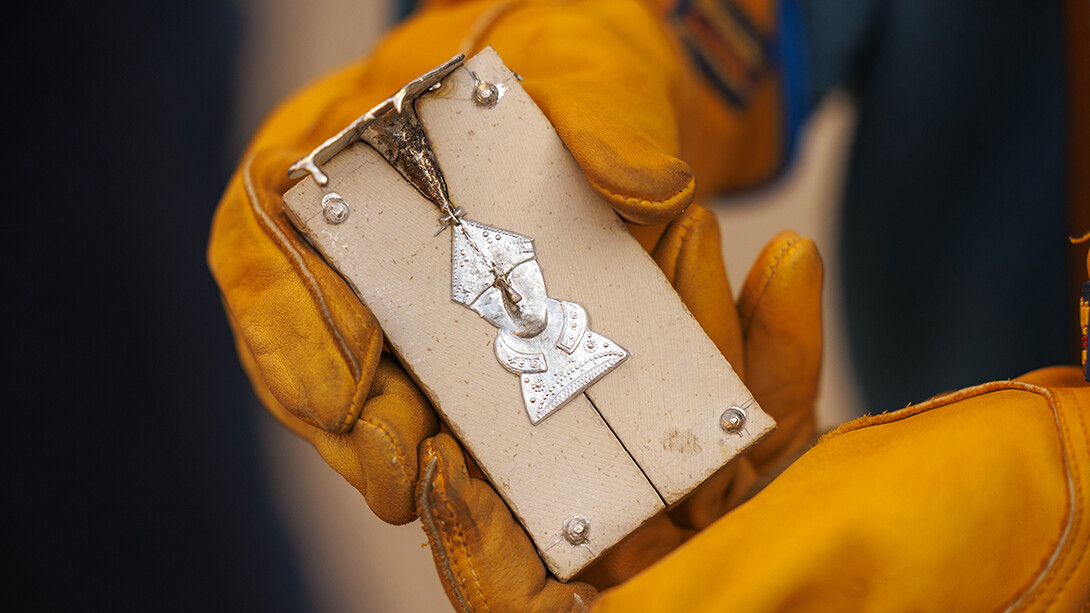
x=393, y=128
x=494, y=272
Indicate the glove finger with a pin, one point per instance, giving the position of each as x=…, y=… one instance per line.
x=378, y=456
x=383, y=444
x=607, y=77
x=314, y=344
x=780, y=311
x=485, y=560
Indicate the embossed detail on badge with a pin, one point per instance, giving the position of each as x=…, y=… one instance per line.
x=568, y=372
x=494, y=272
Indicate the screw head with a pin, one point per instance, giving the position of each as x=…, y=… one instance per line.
x=576, y=529
x=334, y=208
x=733, y=420
x=486, y=94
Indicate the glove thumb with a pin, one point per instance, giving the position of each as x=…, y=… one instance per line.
x=485, y=560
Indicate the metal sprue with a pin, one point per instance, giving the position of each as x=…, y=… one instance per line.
x=494, y=272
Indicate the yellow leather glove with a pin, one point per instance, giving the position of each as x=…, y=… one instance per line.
x=614, y=84
x=973, y=501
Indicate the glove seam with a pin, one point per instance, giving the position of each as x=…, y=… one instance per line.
x=399, y=452
x=435, y=535
x=687, y=225
x=448, y=541
x=1078, y=510
x=372, y=346
x=667, y=201
x=309, y=280
x=458, y=530
x=297, y=262
x=770, y=272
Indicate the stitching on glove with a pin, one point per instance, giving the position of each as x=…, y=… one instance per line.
x=373, y=345
x=299, y=265
x=1078, y=512
x=1074, y=486
x=398, y=451
x=691, y=185
x=687, y=225
x=770, y=271
x=446, y=542
x=435, y=534
x=459, y=536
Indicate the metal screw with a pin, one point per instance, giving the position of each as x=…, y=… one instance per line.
x=732, y=420
x=486, y=94
x=334, y=208
x=576, y=529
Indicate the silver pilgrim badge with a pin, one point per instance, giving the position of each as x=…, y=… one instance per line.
x=494, y=272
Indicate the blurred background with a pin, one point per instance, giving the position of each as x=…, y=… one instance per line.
x=144, y=476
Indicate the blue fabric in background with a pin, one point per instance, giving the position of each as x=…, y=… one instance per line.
x=953, y=228
x=791, y=53
x=132, y=462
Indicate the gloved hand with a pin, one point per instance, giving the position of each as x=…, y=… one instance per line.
x=973, y=501
x=612, y=81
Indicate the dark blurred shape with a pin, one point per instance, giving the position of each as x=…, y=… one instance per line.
x=133, y=459
x=954, y=224
x=1077, y=44
x=402, y=9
